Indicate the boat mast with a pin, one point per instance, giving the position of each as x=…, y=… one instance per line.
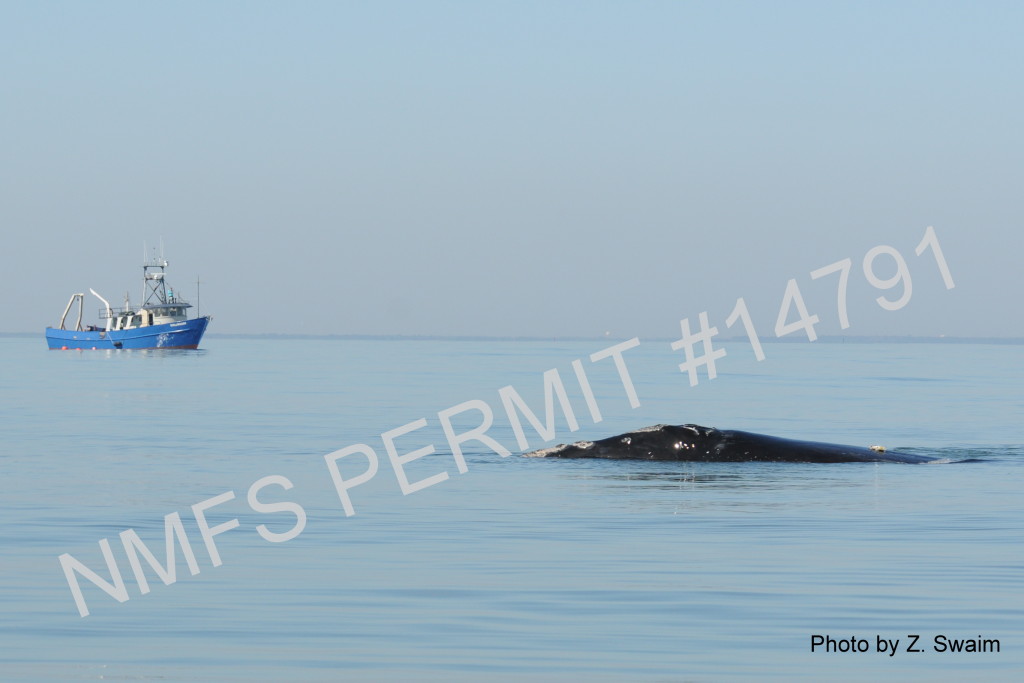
x=154, y=285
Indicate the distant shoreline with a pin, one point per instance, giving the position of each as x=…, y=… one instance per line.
x=828, y=339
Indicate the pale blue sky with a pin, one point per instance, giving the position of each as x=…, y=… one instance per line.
x=513, y=168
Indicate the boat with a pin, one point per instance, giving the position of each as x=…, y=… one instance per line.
x=161, y=322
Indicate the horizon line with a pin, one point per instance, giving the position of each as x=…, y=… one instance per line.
x=828, y=339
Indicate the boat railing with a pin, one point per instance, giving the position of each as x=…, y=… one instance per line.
x=114, y=312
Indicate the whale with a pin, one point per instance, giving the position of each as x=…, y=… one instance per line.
x=690, y=442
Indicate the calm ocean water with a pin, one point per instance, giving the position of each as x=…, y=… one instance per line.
x=518, y=568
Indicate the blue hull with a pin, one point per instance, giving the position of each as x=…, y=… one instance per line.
x=182, y=335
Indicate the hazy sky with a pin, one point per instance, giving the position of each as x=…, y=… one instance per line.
x=514, y=168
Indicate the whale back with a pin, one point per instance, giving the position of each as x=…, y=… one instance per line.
x=690, y=442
